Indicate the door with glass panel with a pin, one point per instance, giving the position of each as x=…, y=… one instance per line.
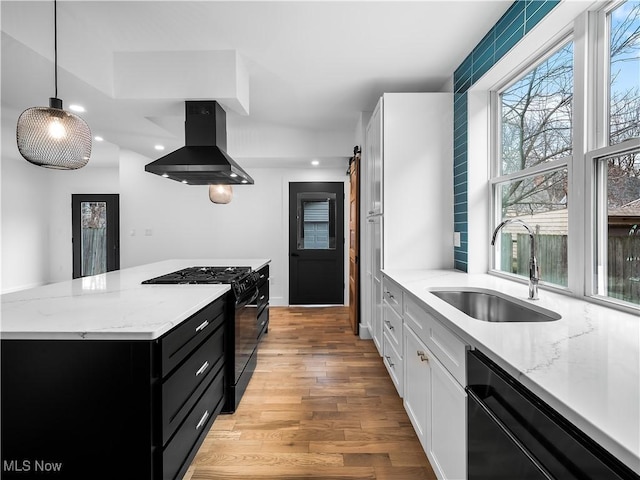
x=316, y=243
x=96, y=234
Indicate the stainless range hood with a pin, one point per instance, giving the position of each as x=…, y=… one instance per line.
x=203, y=160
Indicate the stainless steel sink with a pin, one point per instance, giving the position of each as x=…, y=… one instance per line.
x=491, y=306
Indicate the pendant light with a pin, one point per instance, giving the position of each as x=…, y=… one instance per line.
x=220, y=193
x=50, y=136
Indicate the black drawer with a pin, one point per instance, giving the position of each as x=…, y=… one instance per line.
x=182, y=340
x=263, y=289
x=263, y=322
x=181, y=390
x=180, y=451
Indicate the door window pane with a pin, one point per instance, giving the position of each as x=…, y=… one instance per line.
x=624, y=70
x=618, y=272
x=541, y=202
x=316, y=221
x=94, y=237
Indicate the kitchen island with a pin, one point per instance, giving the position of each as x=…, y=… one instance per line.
x=103, y=377
x=586, y=365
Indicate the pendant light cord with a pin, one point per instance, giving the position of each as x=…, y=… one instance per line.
x=55, y=45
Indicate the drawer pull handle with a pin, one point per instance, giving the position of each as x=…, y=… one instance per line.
x=204, y=366
x=391, y=364
x=389, y=326
x=423, y=356
x=202, y=420
x=202, y=326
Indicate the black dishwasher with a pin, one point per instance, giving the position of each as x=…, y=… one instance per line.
x=512, y=434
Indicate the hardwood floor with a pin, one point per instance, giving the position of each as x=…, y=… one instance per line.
x=319, y=406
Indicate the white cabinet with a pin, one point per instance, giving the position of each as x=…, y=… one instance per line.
x=374, y=233
x=433, y=398
x=392, y=327
x=417, y=389
x=447, y=445
x=373, y=163
x=407, y=191
x=417, y=180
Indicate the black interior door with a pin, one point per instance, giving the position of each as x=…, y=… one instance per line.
x=96, y=233
x=316, y=243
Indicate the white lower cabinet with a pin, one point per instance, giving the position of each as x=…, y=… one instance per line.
x=417, y=392
x=436, y=405
x=447, y=447
x=394, y=363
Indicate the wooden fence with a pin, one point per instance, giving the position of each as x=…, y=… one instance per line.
x=551, y=250
x=94, y=251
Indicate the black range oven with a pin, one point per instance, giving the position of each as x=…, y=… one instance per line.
x=242, y=330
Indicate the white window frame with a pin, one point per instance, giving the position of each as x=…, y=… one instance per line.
x=590, y=136
x=497, y=178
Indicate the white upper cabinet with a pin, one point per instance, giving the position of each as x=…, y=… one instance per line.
x=409, y=161
x=373, y=161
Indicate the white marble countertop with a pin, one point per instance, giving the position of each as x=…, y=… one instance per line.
x=111, y=306
x=585, y=365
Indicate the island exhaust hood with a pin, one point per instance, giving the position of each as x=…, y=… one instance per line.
x=203, y=160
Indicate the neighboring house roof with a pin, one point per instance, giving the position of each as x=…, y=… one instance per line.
x=631, y=209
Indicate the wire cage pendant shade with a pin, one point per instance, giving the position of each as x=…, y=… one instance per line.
x=50, y=136
x=54, y=138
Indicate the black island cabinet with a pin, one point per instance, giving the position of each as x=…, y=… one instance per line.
x=112, y=409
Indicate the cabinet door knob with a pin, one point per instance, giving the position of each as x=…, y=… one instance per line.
x=423, y=356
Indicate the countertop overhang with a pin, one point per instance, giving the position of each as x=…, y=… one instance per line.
x=585, y=365
x=111, y=306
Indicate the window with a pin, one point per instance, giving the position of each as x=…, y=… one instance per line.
x=623, y=48
x=618, y=226
x=553, y=140
x=535, y=118
x=616, y=182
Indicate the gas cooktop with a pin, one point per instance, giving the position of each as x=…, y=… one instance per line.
x=197, y=275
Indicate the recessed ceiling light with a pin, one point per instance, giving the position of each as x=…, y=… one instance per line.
x=76, y=108
x=98, y=139
x=244, y=181
x=315, y=162
x=165, y=175
x=159, y=147
x=234, y=175
x=185, y=182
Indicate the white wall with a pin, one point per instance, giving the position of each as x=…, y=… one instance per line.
x=63, y=184
x=25, y=192
x=162, y=219
x=36, y=210
x=159, y=218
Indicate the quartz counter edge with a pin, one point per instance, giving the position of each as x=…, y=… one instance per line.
x=111, y=306
x=585, y=365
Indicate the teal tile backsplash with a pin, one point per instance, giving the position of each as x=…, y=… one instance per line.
x=519, y=19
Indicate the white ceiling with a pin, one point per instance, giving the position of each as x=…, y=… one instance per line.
x=312, y=67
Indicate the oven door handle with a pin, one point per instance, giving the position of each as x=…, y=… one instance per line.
x=247, y=299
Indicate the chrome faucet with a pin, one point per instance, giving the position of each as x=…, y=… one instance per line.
x=534, y=271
